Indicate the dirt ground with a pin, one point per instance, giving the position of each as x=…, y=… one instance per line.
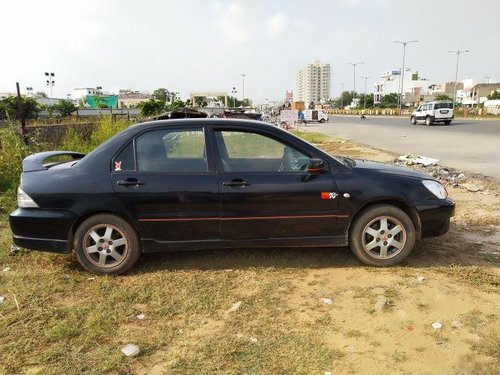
x=301, y=311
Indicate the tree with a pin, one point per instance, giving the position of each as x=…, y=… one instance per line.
x=41, y=94
x=9, y=108
x=200, y=101
x=161, y=94
x=345, y=99
x=151, y=107
x=65, y=108
x=443, y=97
x=494, y=95
x=389, y=101
x=368, y=98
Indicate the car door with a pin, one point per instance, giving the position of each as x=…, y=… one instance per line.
x=167, y=182
x=266, y=191
x=420, y=112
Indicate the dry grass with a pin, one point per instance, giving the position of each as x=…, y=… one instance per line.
x=56, y=320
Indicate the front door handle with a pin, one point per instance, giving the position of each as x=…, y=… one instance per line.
x=237, y=182
x=130, y=182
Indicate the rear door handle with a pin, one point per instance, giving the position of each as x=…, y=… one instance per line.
x=236, y=183
x=130, y=182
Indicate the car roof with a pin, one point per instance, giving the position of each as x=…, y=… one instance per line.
x=200, y=121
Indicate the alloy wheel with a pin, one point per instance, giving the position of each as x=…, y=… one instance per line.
x=105, y=245
x=384, y=237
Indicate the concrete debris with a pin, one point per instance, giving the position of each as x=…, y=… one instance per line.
x=66, y=276
x=141, y=316
x=410, y=159
x=239, y=335
x=253, y=339
x=130, y=350
x=437, y=325
x=381, y=303
x=327, y=373
x=2, y=299
x=7, y=269
x=14, y=249
x=447, y=176
x=91, y=279
x=420, y=279
x=235, y=306
x=471, y=186
x=326, y=301
x=229, y=270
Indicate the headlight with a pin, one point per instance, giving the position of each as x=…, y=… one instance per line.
x=435, y=188
x=24, y=200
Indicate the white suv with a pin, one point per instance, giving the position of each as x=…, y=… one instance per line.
x=429, y=113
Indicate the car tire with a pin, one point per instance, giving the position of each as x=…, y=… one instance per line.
x=106, y=244
x=382, y=235
x=428, y=121
x=447, y=122
x=322, y=121
x=413, y=120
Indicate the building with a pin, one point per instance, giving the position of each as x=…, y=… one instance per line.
x=414, y=87
x=312, y=83
x=477, y=94
x=82, y=92
x=131, y=99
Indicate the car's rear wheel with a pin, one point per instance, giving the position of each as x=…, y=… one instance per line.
x=428, y=121
x=382, y=235
x=413, y=120
x=106, y=244
x=447, y=122
x=322, y=121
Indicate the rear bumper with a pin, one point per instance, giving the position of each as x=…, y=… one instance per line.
x=435, y=219
x=44, y=230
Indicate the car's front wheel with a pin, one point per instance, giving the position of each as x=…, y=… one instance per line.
x=106, y=244
x=428, y=121
x=447, y=122
x=413, y=120
x=383, y=235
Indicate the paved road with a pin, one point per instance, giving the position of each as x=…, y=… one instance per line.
x=470, y=145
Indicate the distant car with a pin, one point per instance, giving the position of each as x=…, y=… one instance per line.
x=433, y=112
x=219, y=183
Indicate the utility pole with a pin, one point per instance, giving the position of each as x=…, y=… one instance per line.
x=457, y=52
x=402, y=72
x=21, y=113
x=364, y=104
x=243, y=88
x=354, y=71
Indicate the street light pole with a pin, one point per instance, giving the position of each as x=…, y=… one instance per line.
x=364, y=104
x=234, y=92
x=50, y=81
x=341, y=95
x=402, y=72
x=457, y=52
x=354, y=71
x=243, y=88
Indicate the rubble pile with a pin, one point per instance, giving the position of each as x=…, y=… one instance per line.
x=447, y=176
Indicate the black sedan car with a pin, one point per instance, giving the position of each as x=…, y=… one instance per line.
x=210, y=183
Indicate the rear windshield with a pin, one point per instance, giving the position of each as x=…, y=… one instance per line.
x=443, y=105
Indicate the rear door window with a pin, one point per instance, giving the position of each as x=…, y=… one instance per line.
x=170, y=150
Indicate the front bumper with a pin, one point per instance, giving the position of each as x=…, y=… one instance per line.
x=44, y=230
x=435, y=218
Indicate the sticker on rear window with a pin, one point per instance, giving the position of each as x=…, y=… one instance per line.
x=118, y=165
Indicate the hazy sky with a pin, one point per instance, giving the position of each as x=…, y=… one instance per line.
x=195, y=45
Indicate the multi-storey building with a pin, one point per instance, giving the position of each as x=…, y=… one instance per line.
x=312, y=83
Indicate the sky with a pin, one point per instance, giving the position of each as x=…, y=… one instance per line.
x=205, y=45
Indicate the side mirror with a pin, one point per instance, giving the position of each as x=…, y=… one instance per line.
x=315, y=165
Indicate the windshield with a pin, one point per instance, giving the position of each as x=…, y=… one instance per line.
x=443, y=105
